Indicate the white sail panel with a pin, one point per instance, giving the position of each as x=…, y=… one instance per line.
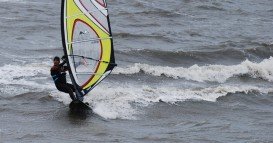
x=99, y=14
x=101, y=2
x=85, y=48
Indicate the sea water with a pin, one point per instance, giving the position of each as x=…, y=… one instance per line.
x=188, y=71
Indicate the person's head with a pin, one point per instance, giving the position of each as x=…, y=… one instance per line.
x=56, y=60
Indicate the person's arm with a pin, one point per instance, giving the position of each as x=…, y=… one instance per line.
x=66, y=68
x=62, y=67
x=62, y=64
x=64, y=58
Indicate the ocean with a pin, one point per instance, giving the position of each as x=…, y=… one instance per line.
x=188, y=72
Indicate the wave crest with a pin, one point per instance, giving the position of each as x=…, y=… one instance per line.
x=212, y=73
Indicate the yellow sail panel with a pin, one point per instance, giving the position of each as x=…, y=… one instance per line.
x=88, y=40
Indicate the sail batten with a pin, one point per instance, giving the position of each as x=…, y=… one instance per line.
x=89, y=58
x=87, y=42
x=89, y=74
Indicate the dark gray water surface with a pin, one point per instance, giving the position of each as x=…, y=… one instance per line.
x=189, y=71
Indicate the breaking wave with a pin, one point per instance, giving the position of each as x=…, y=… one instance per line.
x=211, y=73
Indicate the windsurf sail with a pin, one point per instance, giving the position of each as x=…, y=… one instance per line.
x=87, y=42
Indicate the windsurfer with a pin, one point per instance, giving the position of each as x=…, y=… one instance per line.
x=58, y=74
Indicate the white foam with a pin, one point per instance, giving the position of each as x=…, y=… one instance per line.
x=105, y=102
x=124, y=102
x=16, y=79
x=213, y=73
x=19, y=79
x=113, y=103
x=8, y=90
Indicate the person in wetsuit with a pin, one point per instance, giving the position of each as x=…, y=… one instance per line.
x=58, y=74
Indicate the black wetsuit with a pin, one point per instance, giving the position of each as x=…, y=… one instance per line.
x=59, y=76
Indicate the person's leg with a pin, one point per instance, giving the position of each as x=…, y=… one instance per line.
x=71, y=86
x=67, y=89
x=79, y=97
x=71, y=93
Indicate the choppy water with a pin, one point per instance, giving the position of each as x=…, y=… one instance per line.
x=189, y=71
